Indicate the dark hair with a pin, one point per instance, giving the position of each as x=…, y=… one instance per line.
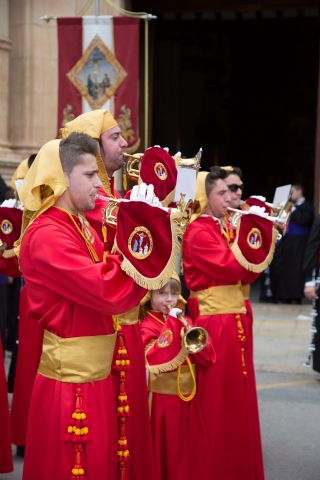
x=298, y=186
x=31, y=159
x=73, y=147
x=234, y=171
x=215, y=173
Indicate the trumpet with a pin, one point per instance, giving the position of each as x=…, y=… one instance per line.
x=279, y=219
x=194, y=339
x=193, y=162
x=132, y=165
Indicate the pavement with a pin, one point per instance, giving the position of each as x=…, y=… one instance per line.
x=288, y=392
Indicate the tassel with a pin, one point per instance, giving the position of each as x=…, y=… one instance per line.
x=122, y=364
x=78, y=434
x=242, y=340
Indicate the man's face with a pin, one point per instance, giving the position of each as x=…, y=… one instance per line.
x=84, y=184
x=112, y=145
x=296, y=194
x=218, y=199
x=234, y=185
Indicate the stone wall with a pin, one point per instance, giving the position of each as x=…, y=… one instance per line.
x=28, y=74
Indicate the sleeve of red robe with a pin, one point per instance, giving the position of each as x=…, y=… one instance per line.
x=207, y=253
x=62, y=262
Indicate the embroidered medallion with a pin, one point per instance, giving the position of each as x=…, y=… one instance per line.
x=254, y=238
x=6, y=227
x=165, y=339
x=161, y=171
x=140, y=243
x=97, y=74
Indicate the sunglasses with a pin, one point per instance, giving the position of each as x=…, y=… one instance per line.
x=234, y=187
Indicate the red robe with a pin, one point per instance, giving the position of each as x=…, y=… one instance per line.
x=170, y=416
x=71, y=296
x=226, y=390
x=6, y=464
x=29, y=352
x=141, y=463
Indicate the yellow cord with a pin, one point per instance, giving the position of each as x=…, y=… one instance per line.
x=92, y=251
x=187, y=398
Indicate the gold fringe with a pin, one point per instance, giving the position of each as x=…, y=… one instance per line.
x=253, y=267
x=159, y=281
x=171, y=365
x=9, y=253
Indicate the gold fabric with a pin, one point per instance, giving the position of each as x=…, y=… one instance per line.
x=201, y=199
x=92, y=123
x=166, y=383
x=42, y=186
x=220, y=299
x=131, y=317
x=45, y=181
x=77, y=359
x=245, y=291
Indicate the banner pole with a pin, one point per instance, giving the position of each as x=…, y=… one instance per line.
x=146, y=83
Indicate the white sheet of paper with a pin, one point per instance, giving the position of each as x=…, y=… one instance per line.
x=281, y=195
x=186, y=183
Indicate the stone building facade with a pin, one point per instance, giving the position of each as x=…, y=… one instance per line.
x=28, y=73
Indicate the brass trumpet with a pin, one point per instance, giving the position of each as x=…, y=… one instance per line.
x=194, y=339
x=132, y=165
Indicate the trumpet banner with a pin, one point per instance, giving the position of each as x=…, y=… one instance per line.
x=255, y=242
x=10, y=227
x=159, y=169
x=147, y=237
x=98, y=63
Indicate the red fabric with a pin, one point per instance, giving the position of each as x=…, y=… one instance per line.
x=259, y=203
x=29, y=352
x=157, y=222
x=69, y=52
x=227, y=396
x=10, y=218
x=170, y=419
x=141, y=463
x=95, y=218
x=71, y=296
x=148, y=171
x=10, y=266
x=6, y=464
x=126, y=33
x=255, y=238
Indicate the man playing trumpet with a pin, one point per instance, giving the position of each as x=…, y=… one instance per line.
x=214, y=271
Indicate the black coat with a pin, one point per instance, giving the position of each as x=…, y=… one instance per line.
x=292, y=248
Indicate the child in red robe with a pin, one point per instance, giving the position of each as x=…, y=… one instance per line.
x=172, y=381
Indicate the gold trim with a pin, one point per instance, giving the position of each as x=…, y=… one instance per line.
x=254, y=267
x=77, y=359
x=157, y=282
x=220, y=299
x=166, y=383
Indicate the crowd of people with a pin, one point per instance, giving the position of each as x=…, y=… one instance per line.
x=118, y=376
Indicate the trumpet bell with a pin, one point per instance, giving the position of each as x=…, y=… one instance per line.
x=132, y=165
x=109, y=213
x=195, y=339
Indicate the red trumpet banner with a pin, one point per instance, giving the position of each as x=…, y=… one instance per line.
x=255, y=242
x=147, y=238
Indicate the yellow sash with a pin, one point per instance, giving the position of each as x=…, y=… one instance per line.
x=77, y=359
x=130, y=317
x=220, y=299
x=167, y=382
